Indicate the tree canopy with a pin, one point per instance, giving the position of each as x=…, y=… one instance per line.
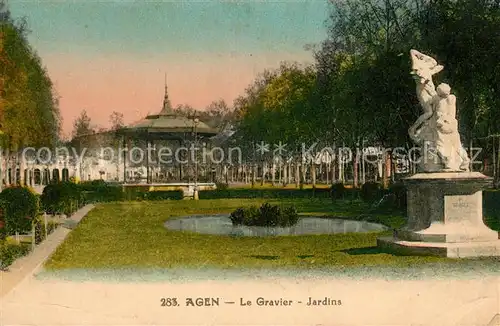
x=29, y=112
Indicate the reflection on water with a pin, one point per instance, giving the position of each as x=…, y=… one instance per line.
x=221, y=225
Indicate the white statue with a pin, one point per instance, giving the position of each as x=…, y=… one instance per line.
x=448, y=142
x=436, y=130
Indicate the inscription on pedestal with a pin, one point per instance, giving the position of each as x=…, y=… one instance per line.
x=462, y=209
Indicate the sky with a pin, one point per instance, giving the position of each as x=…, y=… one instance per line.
x=106, y=56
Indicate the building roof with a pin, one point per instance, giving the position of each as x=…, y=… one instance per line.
x=167, y=121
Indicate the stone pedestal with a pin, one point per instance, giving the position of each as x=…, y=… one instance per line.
x=445, y=217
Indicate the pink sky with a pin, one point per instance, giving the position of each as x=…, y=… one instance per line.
x=134, y=87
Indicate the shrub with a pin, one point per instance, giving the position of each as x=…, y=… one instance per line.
x=337, y=190
x=20, y=206
x=398, y=192
x=62, y=198
x=267, y=215
x=164, y=195
x=71, y=197
x=291, y=216
x=92, y=185
x=371, y=191
x=135, y=193
x=51, y=198
x=10, y=252
x=221, y=186
x=238, y=216
x=3, y=228
x=40, y=229
x=264, y=193
x=99, y=191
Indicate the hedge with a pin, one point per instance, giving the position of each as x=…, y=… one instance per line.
x=164, y=195
x=264, y=193
x=62, y=198
x=67, y=197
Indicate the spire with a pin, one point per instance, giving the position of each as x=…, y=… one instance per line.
x=167, y=107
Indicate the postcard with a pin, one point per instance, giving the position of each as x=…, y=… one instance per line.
x=305, y=162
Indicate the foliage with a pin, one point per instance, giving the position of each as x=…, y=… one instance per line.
x=398, y=192
x=62, y=198
x=267, y=215
x=135, y=193
x=82, y=125
x=338, y=190
x=40, y=229
x=264, y=193
x=100, y=191
x=371, y=191
x=491, y=207
x=20, y=206
x=3, y=228
x=25, y=91
x=221, y=186
x=9, y=252
x=164, y=195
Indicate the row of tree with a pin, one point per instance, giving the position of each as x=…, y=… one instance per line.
x=26, y=91
x=358, y=92
x=359, y=89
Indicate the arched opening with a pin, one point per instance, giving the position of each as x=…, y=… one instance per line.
x=65, y=175
x=18, y=176
x=9, y=176
x=55, y=176
x=37, y=177
x=46, y=177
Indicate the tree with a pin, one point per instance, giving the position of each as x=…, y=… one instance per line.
x=217, y=115
x=82, y=125
x=25, y=91
x=116, y=120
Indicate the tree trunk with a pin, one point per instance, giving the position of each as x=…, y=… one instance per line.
x=386, y=169
x=470, y=154
x=363, y=166
x=494, y=160
x=327, y=172
x=303, y=169
x=285, y=175
x=13, y=167
x=254, y=174
x=356, y=170
x=273, y=174
x=341, y=170
x=333, y=167
x=313, y=175
x=297, y=174
x=263, y=173
x=23, y=179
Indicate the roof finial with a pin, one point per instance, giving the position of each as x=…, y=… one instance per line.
x=167, y=107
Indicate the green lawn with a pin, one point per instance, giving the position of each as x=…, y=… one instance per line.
x=131, y=234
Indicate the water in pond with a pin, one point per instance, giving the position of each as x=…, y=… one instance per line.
x=221, y=225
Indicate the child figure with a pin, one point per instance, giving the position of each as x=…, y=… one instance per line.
x=449, y=146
